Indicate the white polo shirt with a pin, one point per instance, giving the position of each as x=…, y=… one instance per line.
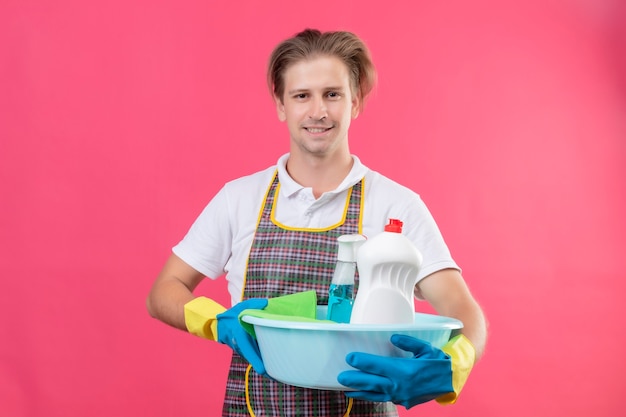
x=219, y=240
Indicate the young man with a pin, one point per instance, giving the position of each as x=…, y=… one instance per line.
x=285, y=242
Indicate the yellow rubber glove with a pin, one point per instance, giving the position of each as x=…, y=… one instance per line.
x=200, y=317
x=463, y=356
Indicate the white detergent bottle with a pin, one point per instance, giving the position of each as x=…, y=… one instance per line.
x=341, y=291
x=388, y=265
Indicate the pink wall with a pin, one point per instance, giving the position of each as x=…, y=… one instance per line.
x=119, y=120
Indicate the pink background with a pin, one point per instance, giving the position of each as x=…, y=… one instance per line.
x=119, y=120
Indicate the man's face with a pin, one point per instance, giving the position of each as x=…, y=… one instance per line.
x=318, y=105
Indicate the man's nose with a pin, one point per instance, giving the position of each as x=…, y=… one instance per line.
x=318, y=110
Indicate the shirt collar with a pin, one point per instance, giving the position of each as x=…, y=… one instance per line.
x=288, y=186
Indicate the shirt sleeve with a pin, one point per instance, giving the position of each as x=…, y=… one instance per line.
x=422, y=229
x=206, y=246
x=389, y=200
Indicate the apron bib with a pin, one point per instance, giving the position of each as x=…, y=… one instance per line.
x=283, y=261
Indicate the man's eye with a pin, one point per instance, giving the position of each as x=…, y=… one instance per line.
x=300, y=96
x=333, y=94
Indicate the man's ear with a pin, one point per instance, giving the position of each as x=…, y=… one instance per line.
x=356, y=106
x=280, y=108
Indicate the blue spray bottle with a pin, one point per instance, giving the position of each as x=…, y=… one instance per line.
x=341, y=291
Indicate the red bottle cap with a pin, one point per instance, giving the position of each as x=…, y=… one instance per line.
x=394, y=226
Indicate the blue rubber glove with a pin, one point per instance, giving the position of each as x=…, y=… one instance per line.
x=404, y=381
x=231, y=333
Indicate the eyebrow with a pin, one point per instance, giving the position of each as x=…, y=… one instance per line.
x=306, y=90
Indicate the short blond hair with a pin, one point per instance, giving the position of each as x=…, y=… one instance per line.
x=312, y=43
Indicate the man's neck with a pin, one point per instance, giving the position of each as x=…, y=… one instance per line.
x=320, y=174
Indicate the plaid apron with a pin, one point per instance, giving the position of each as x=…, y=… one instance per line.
x=284, y=261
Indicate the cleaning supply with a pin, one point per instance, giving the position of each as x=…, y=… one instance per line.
x=299, y=306
x=341, y=291
x=388, y=265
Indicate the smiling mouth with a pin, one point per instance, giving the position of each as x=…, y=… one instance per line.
x=317, y=129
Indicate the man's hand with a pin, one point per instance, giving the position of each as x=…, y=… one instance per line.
x=404, y=381
x=231, y=333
